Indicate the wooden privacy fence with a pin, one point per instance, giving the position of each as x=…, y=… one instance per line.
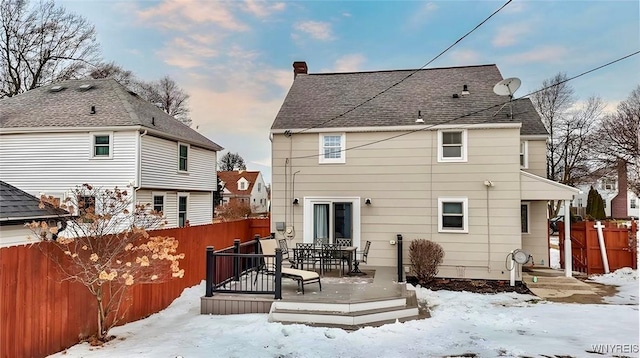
x=620, y=241
x=40, y=314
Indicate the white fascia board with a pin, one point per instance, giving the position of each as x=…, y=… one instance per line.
x=551, y=182
x=534, y=137
x=402, y=128
x=150, y=131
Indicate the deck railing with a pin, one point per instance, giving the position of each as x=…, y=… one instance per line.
x=240, y=269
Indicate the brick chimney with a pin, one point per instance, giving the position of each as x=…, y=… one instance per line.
x=299, y=67
x=619, y=203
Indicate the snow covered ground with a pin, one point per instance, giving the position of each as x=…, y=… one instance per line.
x=508, y=325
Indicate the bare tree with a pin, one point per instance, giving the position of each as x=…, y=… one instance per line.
x=42, y=45
x=552, y=103
x=571, y=129
x=168, y=96
x=106, y=247
x=619, y=138
x=231, y=161
x=112, y=70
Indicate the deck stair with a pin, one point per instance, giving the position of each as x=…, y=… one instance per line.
x=377, y=305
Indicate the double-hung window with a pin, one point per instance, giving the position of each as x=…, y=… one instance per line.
x=101, y=145
x=452, y=145
x=158, y=202
x=524, y=162
x=524, y=218
x=453, y=215
x=183, y=156
x=332, y=148
x=182, y=209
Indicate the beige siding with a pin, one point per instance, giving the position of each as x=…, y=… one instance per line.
x=159, y=165
x=404, y=181
x=537, y=157
x=536, y=241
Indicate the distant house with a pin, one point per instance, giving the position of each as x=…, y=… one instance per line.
x=429, y=154
x=245, y=187
x=94, y=131
x=18, y=208
x=608, y=190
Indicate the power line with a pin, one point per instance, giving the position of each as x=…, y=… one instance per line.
x=478, y=111
x=409, y=75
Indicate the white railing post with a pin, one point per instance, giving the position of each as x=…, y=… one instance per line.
x=568, y=266
x=603, y=249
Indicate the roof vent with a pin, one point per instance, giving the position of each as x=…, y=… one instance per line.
x=158, y=104
x=85, y=87
x=455, y=95
x=56, y=88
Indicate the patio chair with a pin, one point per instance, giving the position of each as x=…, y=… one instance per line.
x=306, y=254
x=303, y=277
x=319, y=241
x=363, y=258
x=332, y=255
x=285, y=253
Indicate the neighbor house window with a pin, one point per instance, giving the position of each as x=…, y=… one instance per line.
x=524, y=162
x=183, y=156
x=453, y=215
x=182, y=210
x=332, y=148
x=452, y=145
x=242, y=185
x=158, y=202
x=632, y=203
x=101, y=145
x=524, y=218
x=86, y=208
x=259, y=187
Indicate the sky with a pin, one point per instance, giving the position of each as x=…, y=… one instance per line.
x=235, y=58
x=489, y=325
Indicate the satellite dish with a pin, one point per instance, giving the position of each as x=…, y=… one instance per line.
x=507, y=87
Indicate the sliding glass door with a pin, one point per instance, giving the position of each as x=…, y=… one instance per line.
x=332, y=221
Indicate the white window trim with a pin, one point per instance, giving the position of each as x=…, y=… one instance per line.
x=461, y=159
x=465, y=214
x=92, y=141
x=343, y=146
x=528, y=205
x=525, y=154
x=307, y=219
x=181, y=195
x=188, y=155
x=164, y=201
x=243, y=184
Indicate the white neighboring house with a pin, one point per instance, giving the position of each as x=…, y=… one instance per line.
x=246, y=187
x=608, y=189
x=95, y=131
x=18, y=208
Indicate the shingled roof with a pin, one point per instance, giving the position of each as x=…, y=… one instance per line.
x=318, y=98
x=70, y=103
x=19, y=206
x=230, y=179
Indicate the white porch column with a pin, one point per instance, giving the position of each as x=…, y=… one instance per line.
x=568, y=269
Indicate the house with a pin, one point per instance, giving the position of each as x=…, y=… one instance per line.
x=245, y=187
x=430, y=154
x=95, y=131
x=18, y=208
x=608, y=190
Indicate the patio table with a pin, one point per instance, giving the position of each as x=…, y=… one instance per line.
x=301, y=256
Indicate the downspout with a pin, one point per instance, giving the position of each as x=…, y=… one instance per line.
x=293, y=195
x=488, y=184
